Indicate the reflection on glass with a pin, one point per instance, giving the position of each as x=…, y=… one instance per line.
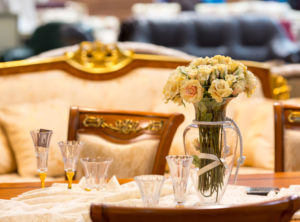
x=41, y=140
x=150, y=187
x=179, y=168
x=95, y=171
x=70, y=151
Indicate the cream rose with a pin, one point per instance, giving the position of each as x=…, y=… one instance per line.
x=204, y=72
x=230, y=79
x=219, y=89
x=239, y=87
x=250, y=83
x=172, y=87
x=191, y=91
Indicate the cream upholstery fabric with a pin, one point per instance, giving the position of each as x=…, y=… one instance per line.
x=291, y=152
x=7, y=160
x=129, y=160
x=256, y=121
x=36, y=91
x=18, y=120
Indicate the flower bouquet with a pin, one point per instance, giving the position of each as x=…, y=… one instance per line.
x=209, y=84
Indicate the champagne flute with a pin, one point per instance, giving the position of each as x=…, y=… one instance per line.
x=41, y=140
x=70, y=151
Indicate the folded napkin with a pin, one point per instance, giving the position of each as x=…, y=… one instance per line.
x=59, y=204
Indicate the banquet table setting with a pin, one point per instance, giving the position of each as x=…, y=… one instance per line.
x=57, y=203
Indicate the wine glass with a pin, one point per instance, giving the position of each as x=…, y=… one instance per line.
x=41, y=140
x=70, y=151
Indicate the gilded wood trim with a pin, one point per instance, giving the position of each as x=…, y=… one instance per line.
x=95, y=61
x=294, y=117
x=124, y=126
x=170, y=123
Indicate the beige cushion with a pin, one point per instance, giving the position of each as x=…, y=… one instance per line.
x=18, y=120
x=129, y=160
x=7, y=160
x=291, y=152
x=255, y=119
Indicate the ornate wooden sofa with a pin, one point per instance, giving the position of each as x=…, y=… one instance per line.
x=37, y=93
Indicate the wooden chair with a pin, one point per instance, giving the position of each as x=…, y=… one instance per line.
x=280, y=210
x=125, y=127
x=286, y=116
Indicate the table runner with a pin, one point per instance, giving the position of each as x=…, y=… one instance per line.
x=57, y=203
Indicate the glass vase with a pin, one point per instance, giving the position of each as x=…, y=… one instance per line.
x=212, y=140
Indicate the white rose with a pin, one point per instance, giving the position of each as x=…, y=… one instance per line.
x=191, y=91
x=219, y=89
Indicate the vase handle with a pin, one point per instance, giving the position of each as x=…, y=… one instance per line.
x=242, y=158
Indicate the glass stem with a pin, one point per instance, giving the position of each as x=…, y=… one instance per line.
x=70, y=175
x=43, y=177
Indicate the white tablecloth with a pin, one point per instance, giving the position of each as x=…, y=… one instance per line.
x=59, y=204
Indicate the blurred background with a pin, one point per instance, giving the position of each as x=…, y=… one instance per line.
x=250, y=30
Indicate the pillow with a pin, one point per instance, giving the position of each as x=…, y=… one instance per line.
x=291, y=152
x=19, y=120
x=255, y=118
x=7, y=160
x=129, y=160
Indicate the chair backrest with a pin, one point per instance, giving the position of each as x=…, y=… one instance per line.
x=286, y=117
x=125, y=127
x=280, y=210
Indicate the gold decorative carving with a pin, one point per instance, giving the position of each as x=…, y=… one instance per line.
x=96, y=57
x=281, y=90
x=294, y=117
x=125, y=126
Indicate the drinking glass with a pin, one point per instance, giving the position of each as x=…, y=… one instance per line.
x=70, y=151
x=41, y=140
x=150, y=187
x=95, y=171
x=179, y=166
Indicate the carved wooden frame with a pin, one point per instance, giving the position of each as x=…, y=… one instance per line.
x=96, y=61
x=286, y=116
x=164, y=132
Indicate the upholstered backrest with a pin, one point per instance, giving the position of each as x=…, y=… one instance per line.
x=127, y=138
x=38, y=93
x=280, y=210
x=287, y=142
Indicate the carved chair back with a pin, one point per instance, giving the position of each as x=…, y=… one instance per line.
x=286, y=117
x=280, y=210
x=125, y=127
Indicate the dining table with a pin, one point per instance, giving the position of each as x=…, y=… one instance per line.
x=278, y=180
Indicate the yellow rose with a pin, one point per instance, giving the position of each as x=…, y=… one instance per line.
x=172, y=87
x=192, y=72
x=222, y=59
x=204, y=72
x=250, y=83
x=191, y=91
x=219, y=89
x=198, y=62
x=230, y=79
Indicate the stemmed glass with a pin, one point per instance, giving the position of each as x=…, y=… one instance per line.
x=41, y=140
x=70, y=151
x=179, y=169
